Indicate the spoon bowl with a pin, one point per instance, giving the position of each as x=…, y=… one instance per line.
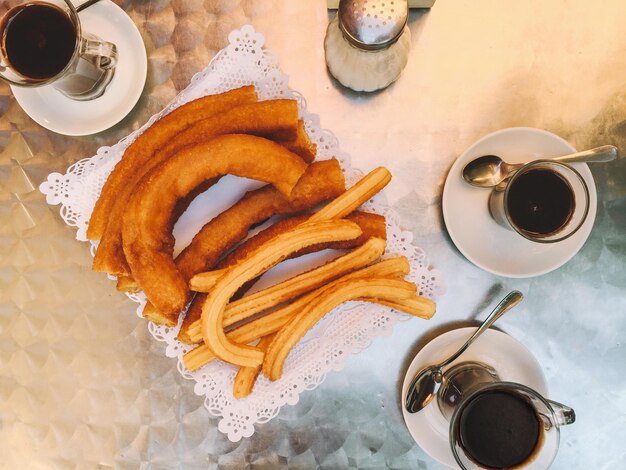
x=489, y=171
x=423, y=388
x=427, y=384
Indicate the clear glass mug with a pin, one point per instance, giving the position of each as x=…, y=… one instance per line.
x=544, y=201
x=86, y=65
x=464, y=385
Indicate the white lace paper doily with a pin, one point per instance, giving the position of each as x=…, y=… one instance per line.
x=347, y=330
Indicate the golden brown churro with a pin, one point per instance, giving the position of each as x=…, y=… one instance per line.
x=296, y=328
x=321, y=181
x=357, y=195
x=372, y=225
x=250, y=305
x=273, y=321
x=148, y=241
x=128, y=171
x=262, y=118
x=246, y=376
x=257, y=263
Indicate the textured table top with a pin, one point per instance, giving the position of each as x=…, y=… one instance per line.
x=83, y=385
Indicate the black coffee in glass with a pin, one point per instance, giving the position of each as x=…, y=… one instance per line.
x=540, y=202
x=38, y=40
x=499, y=429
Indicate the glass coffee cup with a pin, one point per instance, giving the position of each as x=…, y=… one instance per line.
x=496, y=424
x=544, y=201
x=42, y=43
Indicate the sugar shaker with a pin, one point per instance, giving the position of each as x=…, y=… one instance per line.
x=367, y=43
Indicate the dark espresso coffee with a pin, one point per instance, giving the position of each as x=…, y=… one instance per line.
x=38, y=40
x=499, y=429
x=540, y=202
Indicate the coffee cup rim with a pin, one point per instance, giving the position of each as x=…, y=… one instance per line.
x=506, y=386
x=524, y=169
x=74, y=18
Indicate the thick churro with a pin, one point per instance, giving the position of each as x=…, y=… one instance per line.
x=321, y=181
x=128, y=171
x=263, y=118
x=147, y=236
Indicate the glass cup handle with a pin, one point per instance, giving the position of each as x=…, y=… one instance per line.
x=105, y=53
x=563, y=413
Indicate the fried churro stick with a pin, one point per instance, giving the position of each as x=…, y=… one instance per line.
x=147, y=231
x=204, y=282
x=294, y=287
x=374, y=246
x=358, y=194
x=262, y=118
x=417, y=306
x=246, y=376
x=158, y=134
x=272, y=322
x=257, y=263
x=377, y=288
x=321, y=181
x=372, y=225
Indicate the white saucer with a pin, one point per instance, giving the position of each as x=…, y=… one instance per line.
x=512, y=361
x=484, y=242
x=54, y=111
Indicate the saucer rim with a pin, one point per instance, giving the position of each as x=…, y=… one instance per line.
x=582, y=234
x=490, y=333
x=23, y=94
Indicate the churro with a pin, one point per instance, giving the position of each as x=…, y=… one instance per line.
x=128, y=171
x=273, y=321
x=267, y=298
x=147, y=236
x=358, y=194
x=372, y=225
x=296, y=328
x=321, y=181
x=258, y=262
x=263, y=118
x=246, y=376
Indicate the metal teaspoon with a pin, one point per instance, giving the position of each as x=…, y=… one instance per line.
x=427, y=382
x=490, y=170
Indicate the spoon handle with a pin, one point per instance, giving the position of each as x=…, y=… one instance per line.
x=86, y=4
x=606, y=153
x=510, y=301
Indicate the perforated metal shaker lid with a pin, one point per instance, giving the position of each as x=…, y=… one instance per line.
x=372, y=24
